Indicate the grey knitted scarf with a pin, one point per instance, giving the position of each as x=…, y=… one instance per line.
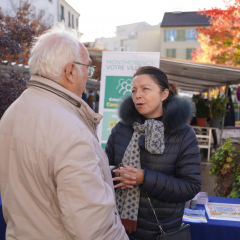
x=128, y=200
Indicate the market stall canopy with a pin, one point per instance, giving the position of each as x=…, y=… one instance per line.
x=194, y=76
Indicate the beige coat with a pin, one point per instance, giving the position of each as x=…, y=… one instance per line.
x=55, y=181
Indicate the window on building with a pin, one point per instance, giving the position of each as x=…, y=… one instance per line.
x=62, y=13
x=33, y=11
x=189, y=53
x=181, y=35
x=105, y=46
x=21, y=4
x=127, y=48
x=50, y=20
x=41, y=16
x=116, y=46
x=171, y=35
x=191, y=35
x=72, y=21
x=69, y=19
x=171, y=53
x=77, y=23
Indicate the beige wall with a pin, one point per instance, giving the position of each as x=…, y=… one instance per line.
x=132, y=43
x=146, y=41
x=180, y=46
x=149, y=41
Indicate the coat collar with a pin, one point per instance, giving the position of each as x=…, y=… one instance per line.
x=52, y=86
x=175, y=114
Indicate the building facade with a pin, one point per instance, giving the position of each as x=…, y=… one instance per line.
x=136, y=37
x=178, y=37
x=148, y=40
x=68, y=14
x=49, y=11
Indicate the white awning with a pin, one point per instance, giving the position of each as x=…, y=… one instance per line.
x=193, y=76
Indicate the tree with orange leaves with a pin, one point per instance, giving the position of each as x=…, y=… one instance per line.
x=220, y=43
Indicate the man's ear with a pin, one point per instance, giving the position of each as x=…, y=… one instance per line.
x=69, y=72
x=165, y=94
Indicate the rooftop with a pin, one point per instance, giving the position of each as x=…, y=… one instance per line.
x=179, y=19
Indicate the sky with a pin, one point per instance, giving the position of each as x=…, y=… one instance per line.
x=99, y=18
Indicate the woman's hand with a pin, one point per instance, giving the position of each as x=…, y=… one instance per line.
x=128, y=176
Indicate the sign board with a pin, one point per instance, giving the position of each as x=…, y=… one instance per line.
x=116, y=83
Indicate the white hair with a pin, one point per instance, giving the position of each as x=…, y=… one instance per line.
x=53, y=50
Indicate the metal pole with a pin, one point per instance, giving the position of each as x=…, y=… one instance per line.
x=238, y=112
x=227, y=86
x=209, y=93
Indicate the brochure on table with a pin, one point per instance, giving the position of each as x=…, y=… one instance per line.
x=191, y=215
x=223, y=211
x=116, y=83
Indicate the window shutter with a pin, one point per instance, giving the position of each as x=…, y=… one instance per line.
x=178, y=35
x=189, y=53
x=168, y=52
x=165, y=35
x=171, y=53
x=197, y=35
x=181, y=35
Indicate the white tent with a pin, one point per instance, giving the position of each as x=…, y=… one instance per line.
x=193, y=76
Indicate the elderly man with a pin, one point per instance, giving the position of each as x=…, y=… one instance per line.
x=54, y=176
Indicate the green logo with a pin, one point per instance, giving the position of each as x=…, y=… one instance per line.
x=116, y=87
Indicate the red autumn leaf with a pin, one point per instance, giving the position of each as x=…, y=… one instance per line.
x=223, y=171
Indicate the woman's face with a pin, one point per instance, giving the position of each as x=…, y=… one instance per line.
x=147, y=96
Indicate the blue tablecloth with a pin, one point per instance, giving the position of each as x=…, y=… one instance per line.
x=216, y=229
x=2, y=223
x=213, y=229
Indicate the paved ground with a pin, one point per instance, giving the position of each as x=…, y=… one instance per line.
x=207, y=179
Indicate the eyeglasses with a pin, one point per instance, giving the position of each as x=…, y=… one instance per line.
x=91, y=68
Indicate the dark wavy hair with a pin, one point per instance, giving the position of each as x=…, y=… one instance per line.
x=159, y=77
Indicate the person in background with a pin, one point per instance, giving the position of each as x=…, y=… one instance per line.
x=90, y=99
x=160, y=155
x=55, y=181
x=97, y=103
x=84, y=96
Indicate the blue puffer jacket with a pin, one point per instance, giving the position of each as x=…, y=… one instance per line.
x=170, y=179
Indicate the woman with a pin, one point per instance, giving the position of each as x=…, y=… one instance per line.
x=160, y=153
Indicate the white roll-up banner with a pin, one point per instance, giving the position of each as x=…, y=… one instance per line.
x=117, y=73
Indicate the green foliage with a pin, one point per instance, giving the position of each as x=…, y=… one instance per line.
x=202, y=109
x=224, y=164
x=12, y=85
x=218, y=107
x=235, y=193
x=223, y=159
